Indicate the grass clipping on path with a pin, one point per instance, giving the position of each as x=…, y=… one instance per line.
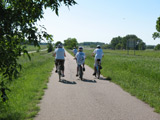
x=27, y=90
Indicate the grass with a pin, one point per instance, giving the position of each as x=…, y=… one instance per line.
x=139, y=75
x=145, y=53
x=33, y=48
x=27, y=90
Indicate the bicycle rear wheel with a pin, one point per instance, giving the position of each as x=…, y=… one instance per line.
x=97, y=72
x=80, y=72
x=59, y=72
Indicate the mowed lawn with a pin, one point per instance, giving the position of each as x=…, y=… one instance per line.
x=28, y=89
x=139, y=75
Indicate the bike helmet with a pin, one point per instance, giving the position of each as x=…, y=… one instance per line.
x=80, y=48
x=98, y=46
x=59, y=45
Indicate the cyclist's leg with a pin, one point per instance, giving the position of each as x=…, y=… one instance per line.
x=83, y=67
x=100, y=63
x=95, y=64
x=77, y=71
x=56, y=63
x=61, y=62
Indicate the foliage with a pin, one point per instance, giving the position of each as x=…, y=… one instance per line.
x=106, y=46
x=157, y=34
x=92, y=44
x=150, y=46
x=58, y=42
x=123, y=42
x=50, y=47
x=18, y=27
x=157, y=47
x=70, y=43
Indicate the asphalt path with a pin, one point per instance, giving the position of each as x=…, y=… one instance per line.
x=90, y=99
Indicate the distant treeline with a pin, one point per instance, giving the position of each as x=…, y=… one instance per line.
x=121, y=43
x=91, y=44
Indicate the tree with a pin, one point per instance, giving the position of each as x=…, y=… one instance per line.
x=157, y=34
x=157, y=47
x=115, y=41
x=70, y=43
x=18, y=27
x=50, y=47
x=58, y=42
x=126, y=42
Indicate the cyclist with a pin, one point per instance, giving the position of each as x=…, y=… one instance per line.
x=80, y=57
x=98, y=53
x=59, y=54
x=74, y=51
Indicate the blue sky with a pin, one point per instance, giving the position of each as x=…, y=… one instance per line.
x=101, y=20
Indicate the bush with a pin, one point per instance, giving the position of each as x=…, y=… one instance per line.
x=50, y=47
x=157, y=47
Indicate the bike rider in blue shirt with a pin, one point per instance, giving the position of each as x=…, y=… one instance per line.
x=80, y=58
x=74, y=51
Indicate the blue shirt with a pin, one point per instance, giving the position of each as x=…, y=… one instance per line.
x=60, y=53
x=75, y=51
x=80, y=56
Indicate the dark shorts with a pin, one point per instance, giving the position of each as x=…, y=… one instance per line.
x=61, y=62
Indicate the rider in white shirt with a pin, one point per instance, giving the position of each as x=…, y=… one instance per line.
x=80, y=57
x=98, y=52
x=59, y=54
x=74, y=51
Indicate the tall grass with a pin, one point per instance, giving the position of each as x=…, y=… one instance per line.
x=139, y=75
x=27, y=90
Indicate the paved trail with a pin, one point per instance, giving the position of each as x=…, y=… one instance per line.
x=90, y=99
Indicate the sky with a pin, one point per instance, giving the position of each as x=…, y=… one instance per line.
x=102, y=20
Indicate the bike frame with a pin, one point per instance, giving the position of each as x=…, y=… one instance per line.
x=59, y=70
x=98, y=69
x=80, y=72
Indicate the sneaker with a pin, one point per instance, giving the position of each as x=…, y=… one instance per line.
x=76, y=75
x=94, y=73
x=56, y=71
x=83, y=69
x=63, y=75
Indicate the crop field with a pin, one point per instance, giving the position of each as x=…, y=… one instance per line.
x=139, y=74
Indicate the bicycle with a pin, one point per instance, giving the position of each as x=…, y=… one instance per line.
x=80, y=72
x=59, y=70
x=98, y=72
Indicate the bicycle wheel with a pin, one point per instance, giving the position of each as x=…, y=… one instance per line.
x=80, y=72
x=59, y=72
x=98, y=72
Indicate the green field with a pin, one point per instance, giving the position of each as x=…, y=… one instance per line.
x=27, y=90
x=139, y=75
x=33, y=48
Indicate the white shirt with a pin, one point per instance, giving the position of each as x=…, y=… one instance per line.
x=80, y=56
x=98, y=53
x=60, y=53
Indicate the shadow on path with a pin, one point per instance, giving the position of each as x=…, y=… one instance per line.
x=67, y=82
x=87, y=80
x=104, y=78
